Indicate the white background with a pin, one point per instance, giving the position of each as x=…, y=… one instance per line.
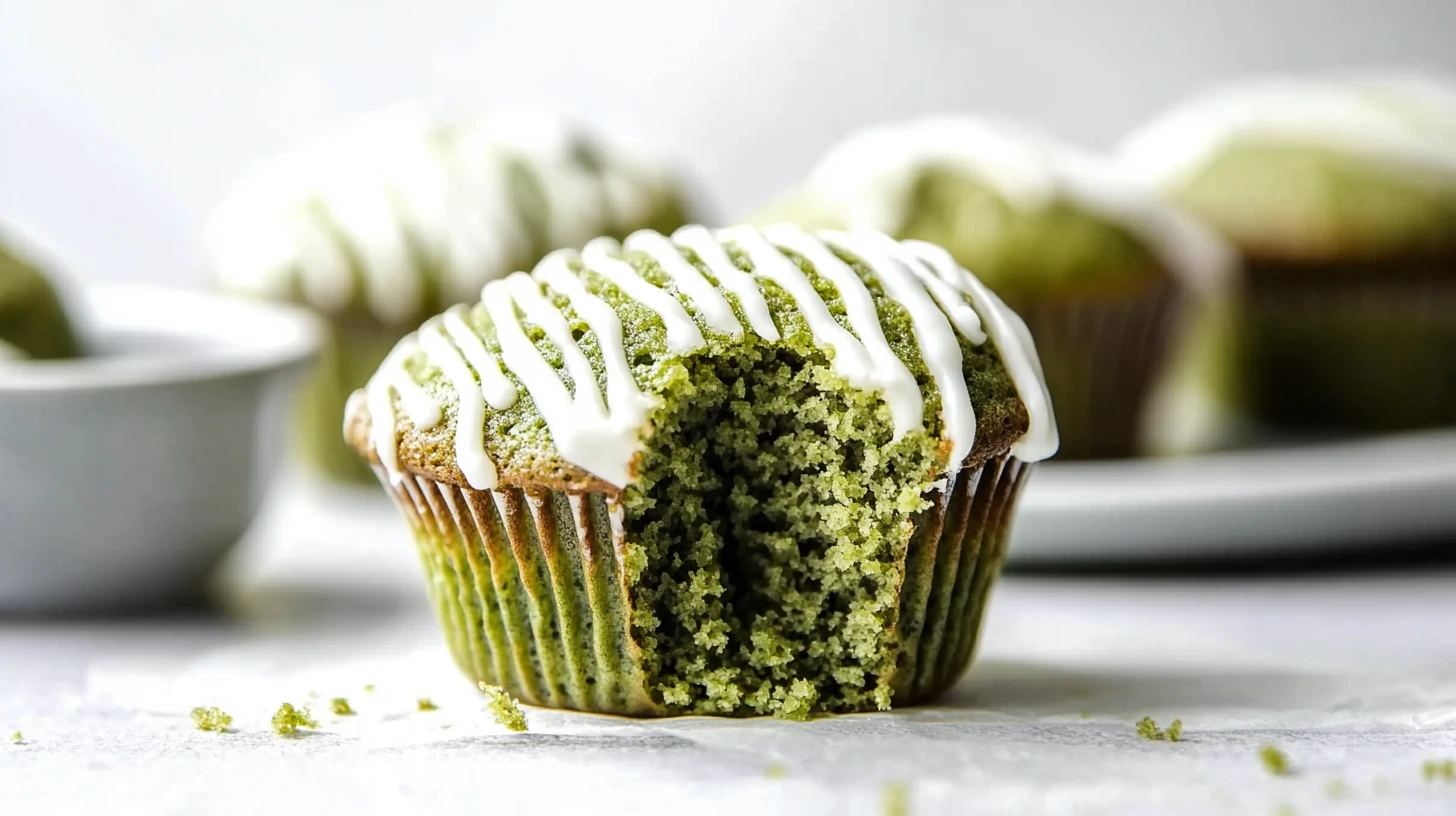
x=122, y=122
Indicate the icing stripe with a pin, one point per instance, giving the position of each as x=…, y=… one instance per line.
x=741, y=284
x=715, y=310
x=883, y=370
x=470, y=453
x=603, y=435
x=938, y=346
x=1014, y=342
x=683, y=335
x=498, y=390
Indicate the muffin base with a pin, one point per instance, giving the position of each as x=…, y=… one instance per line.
x=1356, y=347
x=530, y=589
x=1101, y=355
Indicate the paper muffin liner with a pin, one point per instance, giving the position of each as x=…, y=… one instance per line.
x=1101, y=356
x=351, y=353
x=1358, y=347
x=529, y=587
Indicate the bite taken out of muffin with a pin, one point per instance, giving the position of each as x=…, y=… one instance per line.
x=739, y=471
x=390, y=219
x=1104, y=271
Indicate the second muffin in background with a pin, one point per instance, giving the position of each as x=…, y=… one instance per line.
x=389, y=220
x=1099, y=268
x=1341, y=195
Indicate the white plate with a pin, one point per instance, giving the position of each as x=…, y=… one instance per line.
x=1286, y=500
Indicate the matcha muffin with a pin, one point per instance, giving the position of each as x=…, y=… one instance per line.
x=33, y=320
x=1340, y=193
x=1100, y=268
x=737, y=472
x=391, y=219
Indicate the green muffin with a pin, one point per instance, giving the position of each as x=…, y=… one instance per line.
x=738, y=472
x=33, y=320
x=387, y=221
x=1100, y=269
x=1341, y=196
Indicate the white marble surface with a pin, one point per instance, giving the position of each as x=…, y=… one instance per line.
x=1354, y=677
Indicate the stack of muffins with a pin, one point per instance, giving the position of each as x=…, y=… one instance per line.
x=772, y=468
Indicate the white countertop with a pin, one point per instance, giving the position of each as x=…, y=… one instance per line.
x=1354, y=677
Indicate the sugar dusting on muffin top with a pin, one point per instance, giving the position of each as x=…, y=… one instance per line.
x=407, y=208
x=1401, y=120
x=602, y=432
x=867, y=181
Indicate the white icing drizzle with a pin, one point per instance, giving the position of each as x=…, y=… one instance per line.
x=603, y=435
x=700, y=240
x=363, y=211
x=873, y=364
x=865, y=183
x=683, y=334
x=705, y=296
x=393, y=378
x=1403, y=121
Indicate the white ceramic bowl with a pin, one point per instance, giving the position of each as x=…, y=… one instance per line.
x=127, y=475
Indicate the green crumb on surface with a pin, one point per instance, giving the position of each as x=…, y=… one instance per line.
x=341, y=707
x=17, y=738
x=895, y=799
x=777, y=770
x=211, y=718
x=368, y=688
x=1149, y=730
x=288, y=720
x=1337, y=789
x=426, y=704
x=1275, y=761
x=1443, y=770
x=504, y=708
x=1175, y=731
x=1086, y=715
x=1285, y=809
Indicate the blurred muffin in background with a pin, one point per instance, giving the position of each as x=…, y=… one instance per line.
x=1341, y=196
x=33, y=320
x=385, y=222
x=1100, y=269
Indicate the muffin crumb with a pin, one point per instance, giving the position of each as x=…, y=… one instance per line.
x=1175, y=731
x=426, y=704
x=211, y=718
x=17, y=738
x=340, y=706
x=1439, y=769
x=288, y=720
x=368, y=688
x=504, y=708
x=777, y=770
x=895, y=799
x=1149, y=730
x=1337, y=789
x=1276, y=762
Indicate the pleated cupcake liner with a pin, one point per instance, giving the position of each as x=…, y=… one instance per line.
x=1369, y=347
x=1102, y=356
x=352, y=351
x=530, y=590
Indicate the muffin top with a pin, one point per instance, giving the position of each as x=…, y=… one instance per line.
x=33, y=320
x=405, y=212
x=1029, y=214
x=554, y=375
x=1312, y=168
